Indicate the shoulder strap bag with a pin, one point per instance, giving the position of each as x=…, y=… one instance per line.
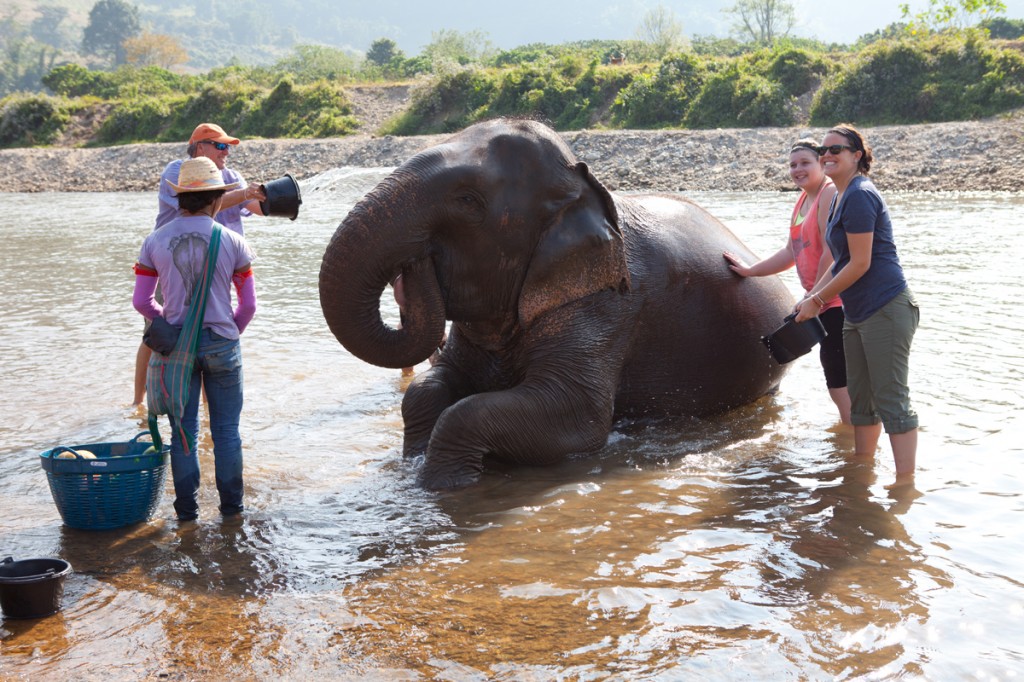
x=169, y=377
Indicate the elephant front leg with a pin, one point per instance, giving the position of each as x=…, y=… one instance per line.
x=529, y=424
x=427, y=397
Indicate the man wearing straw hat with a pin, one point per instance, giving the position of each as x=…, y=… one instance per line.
x=210, y=141
x=175, y=256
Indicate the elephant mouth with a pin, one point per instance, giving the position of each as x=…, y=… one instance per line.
x=353, y=279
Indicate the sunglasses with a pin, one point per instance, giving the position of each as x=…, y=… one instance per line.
x=834, y=149
x=219, y=146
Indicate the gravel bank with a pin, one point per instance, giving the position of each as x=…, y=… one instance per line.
x=962, y=156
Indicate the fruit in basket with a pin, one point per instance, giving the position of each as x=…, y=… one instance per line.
x=70, y=454
x=151, y=450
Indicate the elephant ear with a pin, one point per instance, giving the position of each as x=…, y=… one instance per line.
x=581, y=252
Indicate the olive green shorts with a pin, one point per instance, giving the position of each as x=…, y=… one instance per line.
x=878, y=363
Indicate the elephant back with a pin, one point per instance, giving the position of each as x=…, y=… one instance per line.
x=697, y=339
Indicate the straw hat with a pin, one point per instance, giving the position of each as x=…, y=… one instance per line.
x=199, y=175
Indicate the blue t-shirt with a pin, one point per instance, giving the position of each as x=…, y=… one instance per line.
x=863, y=210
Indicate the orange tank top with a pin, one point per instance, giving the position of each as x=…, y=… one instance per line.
x=807, y=244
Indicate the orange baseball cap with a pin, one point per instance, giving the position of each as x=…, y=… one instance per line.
x=212, y=132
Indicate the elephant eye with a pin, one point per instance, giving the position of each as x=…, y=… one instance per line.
x=467, y=199
x=468, y=203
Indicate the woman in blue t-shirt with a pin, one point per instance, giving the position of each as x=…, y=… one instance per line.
x=881, y=313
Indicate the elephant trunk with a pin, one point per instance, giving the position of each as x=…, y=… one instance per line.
x=372, y=245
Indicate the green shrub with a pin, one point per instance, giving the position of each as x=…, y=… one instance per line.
x=942, y=78
x=797, y=71
x=525, y=54
x=138, y=120
x=228, y=105
x=565, y=92
x=312, y=63
x=1003, y=85
x=584, y=50
x=884, y=85
x=31, y=120
x=235, y=75
x=662, y=98
x=1001, y=27
x=72, y=80
x=151, y=81
x=596, y=90
x=319, y=109
x=449, y=103
x=761, y=103
x=535, y=90
x=734, y=98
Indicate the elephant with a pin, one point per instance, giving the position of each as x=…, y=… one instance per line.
x=571, y=307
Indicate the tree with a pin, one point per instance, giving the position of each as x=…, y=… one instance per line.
x=310, y=63
x=661, y=30
x=23, y=61
x=895, y=30
x=46, y=28
x=382, y=51
x=762, y=21
x=111, y=22
x=449, y=48
x=955, y=16
x=154, y=49
x=1006, y=29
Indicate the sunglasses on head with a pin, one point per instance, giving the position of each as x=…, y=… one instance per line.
x=219, y=146
x=834, y=149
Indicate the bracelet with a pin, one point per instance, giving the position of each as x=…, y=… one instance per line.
x=817, y=299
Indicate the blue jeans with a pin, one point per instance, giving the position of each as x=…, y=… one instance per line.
x=219, y=367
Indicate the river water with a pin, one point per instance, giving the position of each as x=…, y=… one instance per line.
x=743, y=547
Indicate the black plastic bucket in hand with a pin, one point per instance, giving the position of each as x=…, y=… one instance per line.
x=283, y=197
x=793, y=338
x=32, y=588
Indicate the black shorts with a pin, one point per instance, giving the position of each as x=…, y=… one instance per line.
x=833, y=359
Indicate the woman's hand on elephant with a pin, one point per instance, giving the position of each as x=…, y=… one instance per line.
x=736, y=264
x=806, y=309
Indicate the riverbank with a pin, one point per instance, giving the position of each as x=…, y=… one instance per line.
x=959, y=156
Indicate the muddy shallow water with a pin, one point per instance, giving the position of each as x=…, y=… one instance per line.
x=743, y=547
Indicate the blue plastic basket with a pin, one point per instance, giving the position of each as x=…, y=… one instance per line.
x=120, y=487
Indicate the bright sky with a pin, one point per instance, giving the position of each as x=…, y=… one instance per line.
x=508, y=25
x=837, y=20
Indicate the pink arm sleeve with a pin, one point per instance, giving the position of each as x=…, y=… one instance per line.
x=144, y=297
x=245, y=285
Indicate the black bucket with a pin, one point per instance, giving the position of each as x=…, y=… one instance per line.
x=32, y=588
x=793, y=338
x=283, y=197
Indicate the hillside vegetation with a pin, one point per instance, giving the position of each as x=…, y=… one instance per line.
x=895, y=80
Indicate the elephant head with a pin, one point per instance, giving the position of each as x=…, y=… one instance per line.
x=490, y=229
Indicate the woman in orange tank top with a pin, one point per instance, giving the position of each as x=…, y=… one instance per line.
x=805, y=249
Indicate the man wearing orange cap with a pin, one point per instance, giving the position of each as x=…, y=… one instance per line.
x=208, y=140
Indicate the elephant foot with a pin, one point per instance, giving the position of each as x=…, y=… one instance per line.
x=414, y=449
x=433, y=477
